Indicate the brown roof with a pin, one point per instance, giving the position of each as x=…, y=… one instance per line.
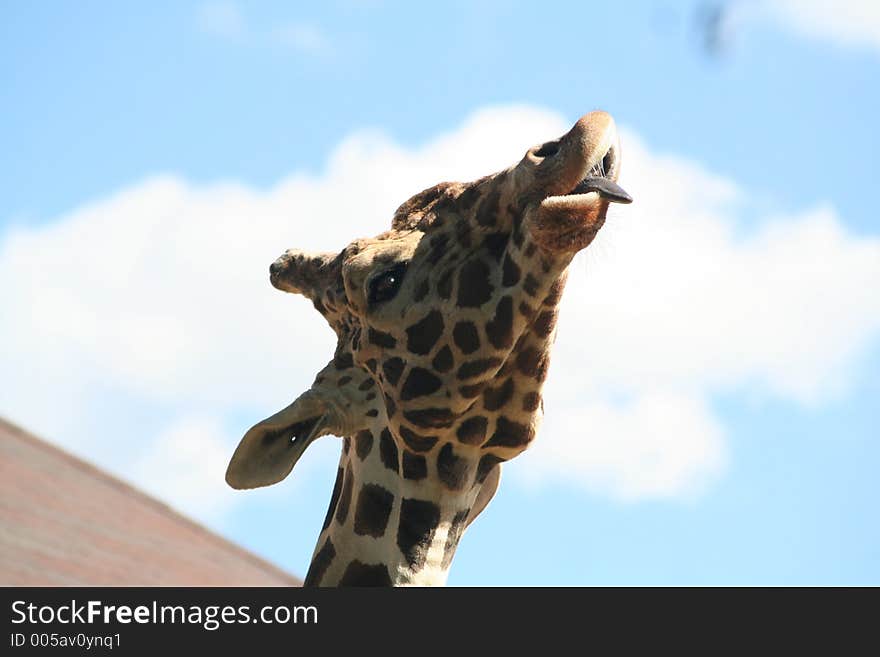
x=65, y=522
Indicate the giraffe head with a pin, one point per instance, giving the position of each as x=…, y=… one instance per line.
x=445, y=322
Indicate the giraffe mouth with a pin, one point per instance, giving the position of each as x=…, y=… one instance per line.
x=569, y=221
x=596, y=189
x=601, y=180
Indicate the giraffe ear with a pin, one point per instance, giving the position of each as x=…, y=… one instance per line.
x=301, y=272
x=271, y=448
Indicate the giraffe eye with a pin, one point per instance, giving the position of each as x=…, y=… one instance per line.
x=384, y=286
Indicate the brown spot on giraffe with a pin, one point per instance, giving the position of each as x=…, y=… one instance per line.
x=320, y=563
x=363, y=443
x=444, y=360
x=388, y=451
x=373, y=510
x=466, y=337
x=473, y=430
x=423, y=335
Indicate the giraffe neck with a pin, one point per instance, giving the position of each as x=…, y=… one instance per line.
x=390, y=520
x=396, y=515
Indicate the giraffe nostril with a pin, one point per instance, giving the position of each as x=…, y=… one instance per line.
x=548, y=149
x=608, y=162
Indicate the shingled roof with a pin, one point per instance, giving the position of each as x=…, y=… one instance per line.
x=65, y=522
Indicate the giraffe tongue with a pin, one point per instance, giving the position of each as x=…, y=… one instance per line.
x=604, y=187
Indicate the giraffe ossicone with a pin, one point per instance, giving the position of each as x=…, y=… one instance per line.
x=445, y=325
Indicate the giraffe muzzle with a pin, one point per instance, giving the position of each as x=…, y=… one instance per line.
x=579, y=174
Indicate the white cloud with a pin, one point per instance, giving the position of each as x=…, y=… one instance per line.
x=677, y=293
x=183, y=464
x=221, y=18
x=675, y=301
x=143, y=324
x=849, y=23
x=225, y=19
x=302, y=36
x=659, y=445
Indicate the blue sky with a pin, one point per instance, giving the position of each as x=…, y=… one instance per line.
x=135, y=136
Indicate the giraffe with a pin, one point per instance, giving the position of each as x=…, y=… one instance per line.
x=444, y=328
